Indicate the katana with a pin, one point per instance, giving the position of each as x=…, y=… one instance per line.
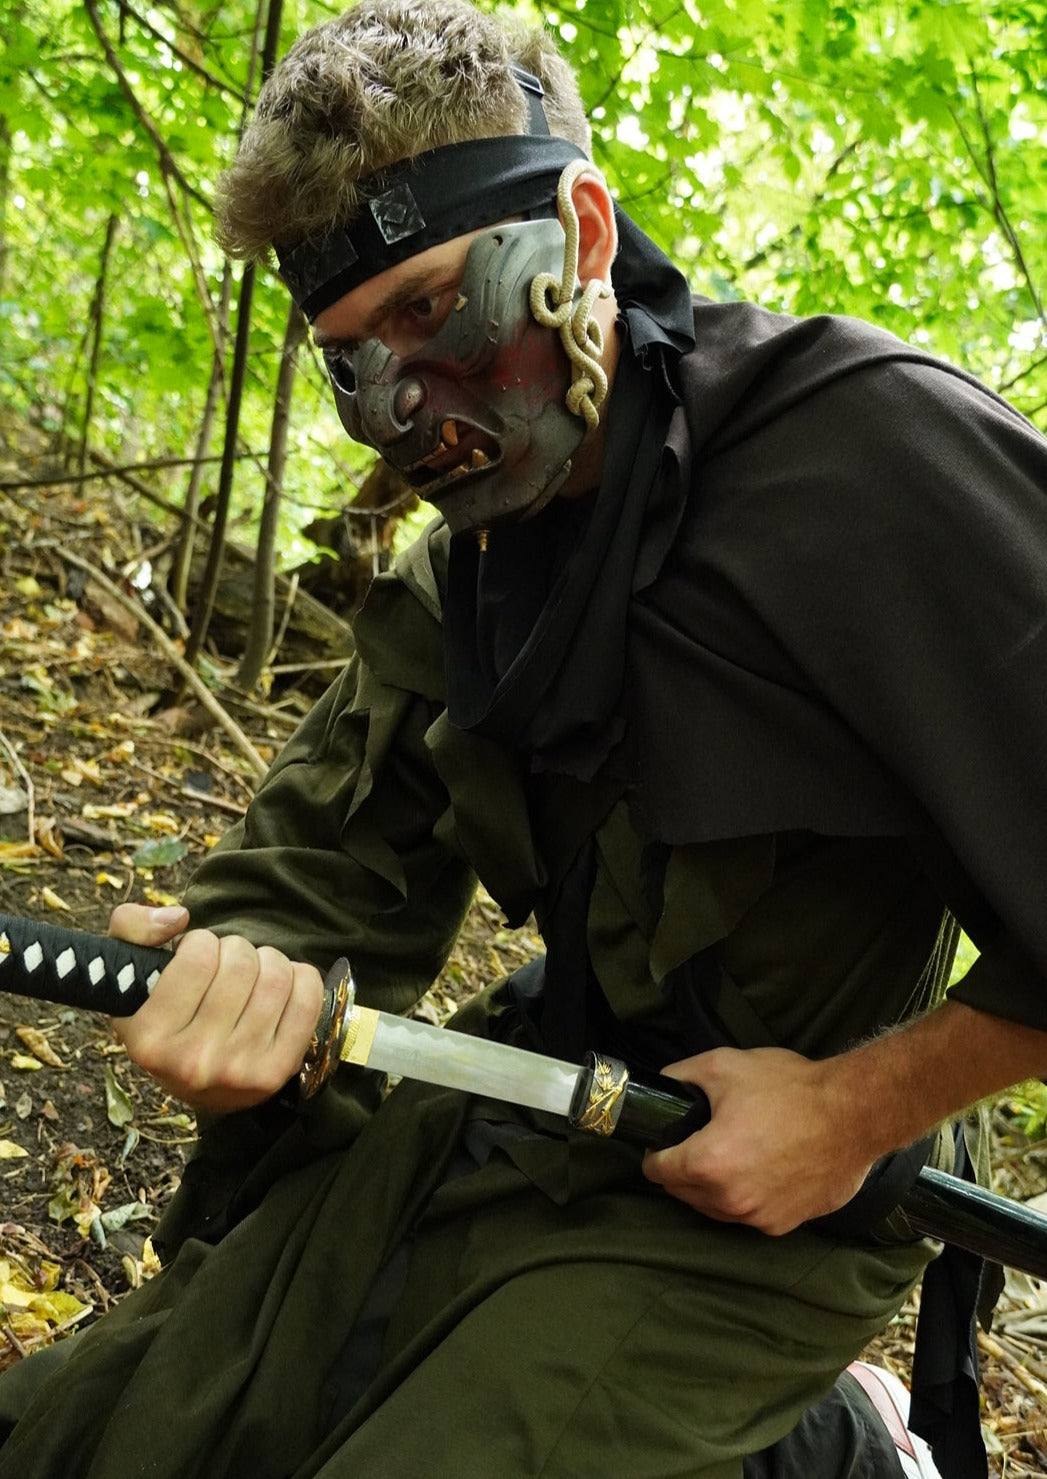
x=599, y=1096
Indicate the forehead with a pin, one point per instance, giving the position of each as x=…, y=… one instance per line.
x=358, y=314
x=422, y=202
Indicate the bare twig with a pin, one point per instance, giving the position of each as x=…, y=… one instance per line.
x=107, y=469
x=183, y=56
x=200, y=690
x=168, y=163
x=286, y=619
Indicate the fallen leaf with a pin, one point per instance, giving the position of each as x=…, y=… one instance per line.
x=118, y=1107
x=96, y=813
x=12, y=800
x=38, y=1045
x=29, y=587
x=9, y=1151
x=24, y=1063
x=163, y=821
x=12, y=850
x=53, y=900
x=111, y=879
x=160, y=853
x=130, y=1212
x=49, y=837
x=24, y=1107
x=159, y=896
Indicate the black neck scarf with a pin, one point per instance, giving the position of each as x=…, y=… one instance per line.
x=535, y=626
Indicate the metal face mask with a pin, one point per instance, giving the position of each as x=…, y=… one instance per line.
x=476, y=420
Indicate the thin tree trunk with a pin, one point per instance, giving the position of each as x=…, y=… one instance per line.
x=260, y=635
x=184, y=559
x=5, y=186
x=95, y=318
x=213, y=569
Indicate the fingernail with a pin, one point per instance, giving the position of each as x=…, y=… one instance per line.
x=169, y=914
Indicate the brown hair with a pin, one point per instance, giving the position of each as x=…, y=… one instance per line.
x=382, y=82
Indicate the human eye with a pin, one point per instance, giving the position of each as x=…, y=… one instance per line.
x=424, y=310
x=420, y=317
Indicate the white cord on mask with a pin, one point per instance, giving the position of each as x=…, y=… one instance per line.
x=553, y=305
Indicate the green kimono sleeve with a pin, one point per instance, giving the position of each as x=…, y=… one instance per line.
x=348, y=848
x=340, y=853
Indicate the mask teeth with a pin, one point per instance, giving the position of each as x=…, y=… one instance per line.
x=449, y=432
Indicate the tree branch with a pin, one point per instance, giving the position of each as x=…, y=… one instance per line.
x=168, y=163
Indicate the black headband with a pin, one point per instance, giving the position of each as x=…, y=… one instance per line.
x=427, y=200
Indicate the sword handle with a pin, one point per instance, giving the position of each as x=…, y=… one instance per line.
x=51, y=963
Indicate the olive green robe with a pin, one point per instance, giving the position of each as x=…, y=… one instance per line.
x=554, y=1312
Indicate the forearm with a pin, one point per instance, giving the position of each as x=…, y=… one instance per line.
x=792, y=1138
x=905, y=1083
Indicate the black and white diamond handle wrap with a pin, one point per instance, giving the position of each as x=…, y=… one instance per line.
x=75, y=968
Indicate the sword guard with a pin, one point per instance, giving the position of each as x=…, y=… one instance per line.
x=325, y=1049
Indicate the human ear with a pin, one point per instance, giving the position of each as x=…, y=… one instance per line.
x=597, y=230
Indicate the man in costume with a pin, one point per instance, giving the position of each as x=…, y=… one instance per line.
x=726, y=659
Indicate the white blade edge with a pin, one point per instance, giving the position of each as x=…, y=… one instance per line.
x=458, y=1061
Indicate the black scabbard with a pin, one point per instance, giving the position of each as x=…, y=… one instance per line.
x=76, y=969
x=660, y=1112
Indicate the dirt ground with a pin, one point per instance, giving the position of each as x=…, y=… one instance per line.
x=105, y=796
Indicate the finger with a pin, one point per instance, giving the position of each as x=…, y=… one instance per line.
x=223, y=992
x=139, y=924
x=302, y=1011
x=271, y=989
x=274, y=1033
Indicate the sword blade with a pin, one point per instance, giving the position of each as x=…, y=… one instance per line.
x=454, y=1060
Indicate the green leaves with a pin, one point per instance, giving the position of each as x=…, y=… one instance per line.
x=883, y=160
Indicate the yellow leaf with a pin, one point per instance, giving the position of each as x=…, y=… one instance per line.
x=112, y=879
x=28, y=1328
x=71, y=777
x=9, y=1151
x=163, y=821
x=60, y=1308
x=24, y=1062
x=157, y=896
x=17, y=850
x=92, y=813
x=53, y=900
x=29, y=587
x=38, y=1045
x=14, y=1295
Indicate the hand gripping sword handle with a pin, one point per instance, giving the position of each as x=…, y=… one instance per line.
x=73, y=968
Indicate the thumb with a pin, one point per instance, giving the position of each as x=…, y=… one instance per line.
x=139, y=924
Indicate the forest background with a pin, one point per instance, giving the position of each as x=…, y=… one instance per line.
x=883, y=158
